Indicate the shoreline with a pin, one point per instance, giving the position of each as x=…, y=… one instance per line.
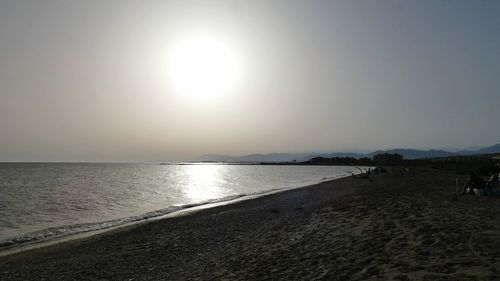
x=184, y=210
x=400, y=226
x=178, y=211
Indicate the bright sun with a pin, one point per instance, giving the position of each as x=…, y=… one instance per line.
x=203, y=67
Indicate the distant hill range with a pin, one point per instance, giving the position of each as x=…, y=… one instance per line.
x=299, y=157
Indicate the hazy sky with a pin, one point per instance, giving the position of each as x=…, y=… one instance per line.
x=92, y=80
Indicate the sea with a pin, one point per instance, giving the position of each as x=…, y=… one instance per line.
x=44, y=201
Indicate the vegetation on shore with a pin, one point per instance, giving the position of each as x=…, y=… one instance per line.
x=480, y=164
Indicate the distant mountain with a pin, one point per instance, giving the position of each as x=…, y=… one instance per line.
x=343, y=154
x=275, y=157
x=490, y=149
x=252, y=158
x=299, y=157
x=471, y=148
x=456, y=149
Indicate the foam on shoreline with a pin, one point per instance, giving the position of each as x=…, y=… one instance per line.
x=63, y=233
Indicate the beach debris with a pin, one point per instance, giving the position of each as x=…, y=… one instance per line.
x=379, y=170
x=364, y=174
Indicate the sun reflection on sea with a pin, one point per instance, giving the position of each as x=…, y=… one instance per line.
x=203, y=182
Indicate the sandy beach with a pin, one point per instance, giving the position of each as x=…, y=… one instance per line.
x=398, y=226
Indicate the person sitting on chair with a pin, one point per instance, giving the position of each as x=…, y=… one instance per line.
x=492, y=181
x=474, y=182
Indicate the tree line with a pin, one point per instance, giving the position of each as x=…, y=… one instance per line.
x=379, y=159
x=481, y=164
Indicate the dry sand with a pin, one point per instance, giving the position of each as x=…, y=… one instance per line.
x=399, y=226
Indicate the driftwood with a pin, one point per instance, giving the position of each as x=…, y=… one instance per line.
x=365, y=174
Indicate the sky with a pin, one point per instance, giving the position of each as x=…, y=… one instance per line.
x=172, y=80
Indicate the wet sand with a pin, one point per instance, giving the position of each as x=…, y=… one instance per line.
x=399, y=226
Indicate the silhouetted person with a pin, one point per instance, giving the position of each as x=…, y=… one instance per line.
x=474, y=182
x=492, y=182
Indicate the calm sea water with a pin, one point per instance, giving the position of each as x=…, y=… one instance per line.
x=44, y=201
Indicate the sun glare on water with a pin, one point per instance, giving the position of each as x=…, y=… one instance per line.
x=203, y=66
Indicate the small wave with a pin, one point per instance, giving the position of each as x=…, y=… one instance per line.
x=53, y=233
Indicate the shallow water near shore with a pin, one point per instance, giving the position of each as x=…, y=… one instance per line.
x=44, y=201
